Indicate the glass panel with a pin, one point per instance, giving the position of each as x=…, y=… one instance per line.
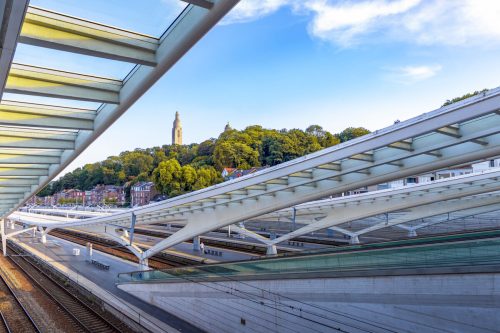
x=51, y=101
x=472, y=252
x=71, y=62
x=151, y=17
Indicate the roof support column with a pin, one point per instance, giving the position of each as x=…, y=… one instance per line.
x=44, y=232
x=343, y=231
x=196, y=243
x=354, y=240
x=412, y=233
x=127, y=242
x=271, y=250
x=15, y=233
x=4, y=239
x=244, y=231
x=144, y=264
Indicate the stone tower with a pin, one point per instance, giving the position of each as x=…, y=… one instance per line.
x=177, y=130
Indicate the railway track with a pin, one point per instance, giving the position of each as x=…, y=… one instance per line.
x=159, y=261
x=4, y=327
x=234, y=245
x=78, y=311
x=249, y=248
x=15, y=317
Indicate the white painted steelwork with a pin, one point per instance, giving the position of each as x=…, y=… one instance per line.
x=459, y=133
x=423, y=200
x=38, y=141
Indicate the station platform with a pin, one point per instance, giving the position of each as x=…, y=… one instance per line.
x=187, y=249
x=59, y=254
x=184, y=250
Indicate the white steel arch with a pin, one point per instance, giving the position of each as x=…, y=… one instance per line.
x=424, y=200
x=471, y=193
x=38, y=141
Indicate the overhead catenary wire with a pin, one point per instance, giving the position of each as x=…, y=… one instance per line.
x=338, y=329
x=301, y=302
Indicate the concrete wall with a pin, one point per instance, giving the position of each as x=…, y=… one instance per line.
x=414, y=303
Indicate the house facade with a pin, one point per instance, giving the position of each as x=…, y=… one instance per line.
x=142, y=193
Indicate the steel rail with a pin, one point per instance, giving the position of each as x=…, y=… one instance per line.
x=20, y=304
x=85, y=324
x=5, y=323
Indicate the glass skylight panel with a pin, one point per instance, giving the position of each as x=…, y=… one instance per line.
x=51, y=101
x=150, y=17
x=71, y=62
x=77, y=62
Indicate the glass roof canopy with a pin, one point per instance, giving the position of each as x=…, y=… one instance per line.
x=64, y=79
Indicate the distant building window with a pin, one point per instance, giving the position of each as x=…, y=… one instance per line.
x=411, y=180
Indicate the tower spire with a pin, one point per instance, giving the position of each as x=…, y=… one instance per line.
x=177, y=130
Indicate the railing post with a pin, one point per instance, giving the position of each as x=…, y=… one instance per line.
x=132, y=228
x=196, y=243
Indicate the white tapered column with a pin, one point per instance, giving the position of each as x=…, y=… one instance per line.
x=4, y=238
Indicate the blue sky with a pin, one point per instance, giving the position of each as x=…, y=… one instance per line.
x=291, y=63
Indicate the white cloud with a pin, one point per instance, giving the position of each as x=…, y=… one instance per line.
x=412, y=74
x=462, y=22
x=346, y=23
x=251, y=10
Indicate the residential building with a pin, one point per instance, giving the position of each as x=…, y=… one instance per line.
x=227, y=171
x=75, y=195
x=105, y=194
x=142, y=193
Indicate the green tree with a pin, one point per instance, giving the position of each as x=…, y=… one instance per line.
x=178, y=169
x=188, y=178
x=167, y=177
x=207, y=176
x=352, y=133
x=458, y=99
x=159, y=156
x=206, y=148
x=274, y=148
x=136, y=162
x=236, y=155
